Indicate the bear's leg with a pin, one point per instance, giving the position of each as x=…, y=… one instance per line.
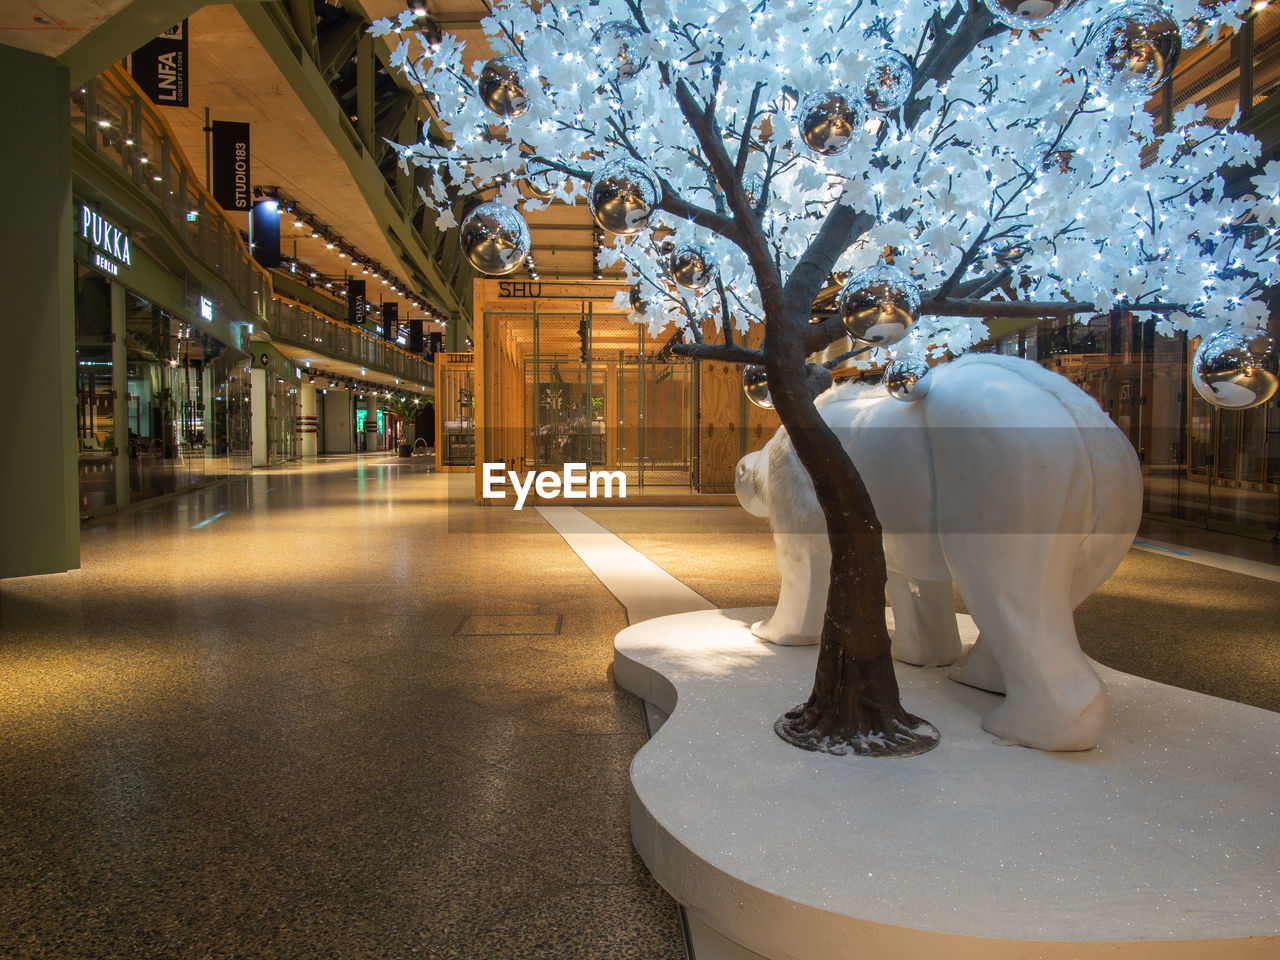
x=978, y=668
x=1018, y=589
x=924, y=621
x=804, y=560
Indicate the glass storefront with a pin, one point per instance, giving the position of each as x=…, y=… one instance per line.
x=588, y=387
x=95, y=398
x=228, y=427
x=184, y=415
x=1215, y=468
x=282, y=419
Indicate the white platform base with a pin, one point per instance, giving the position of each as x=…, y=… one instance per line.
x=1162, y=843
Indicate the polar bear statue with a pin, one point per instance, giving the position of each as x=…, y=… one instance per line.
x=1005, y=479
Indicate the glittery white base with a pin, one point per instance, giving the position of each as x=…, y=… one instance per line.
x=1162, y=843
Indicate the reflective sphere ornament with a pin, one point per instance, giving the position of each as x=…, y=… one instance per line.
x=755, y=383
x=1236, y=370
x=1029, y=14
x=623, y=195
x=1049, y=156
x=1195, y=31
x=495, y=238
x=1138, y=48
x=879, y=305
x=1007, y=253
x=888, y=81
x=538, y=183
x=907, y=378
x=618, y=43
x=638, y=303
x=829, y=122
x=691, y=266
x=504, y=86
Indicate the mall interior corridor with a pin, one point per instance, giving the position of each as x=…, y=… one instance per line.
x=332, y=709
x=324, y=711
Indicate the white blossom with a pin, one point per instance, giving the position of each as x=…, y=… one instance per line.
x=1017, y=144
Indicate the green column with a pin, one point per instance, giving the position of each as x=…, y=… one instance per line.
x=39, y=519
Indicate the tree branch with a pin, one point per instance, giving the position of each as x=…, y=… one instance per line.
x=841, y=227
x=744, y=146
x=822, y=334
x=1031, y=308
x=746, y=231
x=719, y=351
x=950, y=47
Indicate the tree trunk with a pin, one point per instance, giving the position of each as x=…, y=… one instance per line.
x=855, y=705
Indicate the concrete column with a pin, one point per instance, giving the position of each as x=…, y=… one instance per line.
x=120, y=387
x=258, y=416
x=307, y=411
x=372, y=440
x=208, y=390
x=39, y=483
x=339, y=434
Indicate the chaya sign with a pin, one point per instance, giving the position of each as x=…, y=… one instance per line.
x=108, y=243
x=160, y=67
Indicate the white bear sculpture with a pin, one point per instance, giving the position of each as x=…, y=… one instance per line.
x=1005, y=479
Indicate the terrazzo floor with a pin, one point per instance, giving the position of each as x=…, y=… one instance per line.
x=352, y=717
x=334, y=710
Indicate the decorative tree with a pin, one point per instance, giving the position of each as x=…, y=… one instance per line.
x=406, y=407
x=999, y=154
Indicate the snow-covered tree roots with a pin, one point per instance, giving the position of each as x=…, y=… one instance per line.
x=854, y=709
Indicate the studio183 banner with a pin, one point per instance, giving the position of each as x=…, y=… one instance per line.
x=232, y=180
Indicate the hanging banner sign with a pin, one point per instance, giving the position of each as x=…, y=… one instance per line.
x=108, y=244
x=355, y=302
x=390, y=321
x=160, y=67
x=232, y=183
x=264, y=232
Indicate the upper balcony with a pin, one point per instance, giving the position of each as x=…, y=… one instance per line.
x=120, y=140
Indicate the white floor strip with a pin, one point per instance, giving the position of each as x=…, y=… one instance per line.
x=641, y=586
x=1251, y=568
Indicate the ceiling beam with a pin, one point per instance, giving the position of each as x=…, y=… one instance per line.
x=136, y=24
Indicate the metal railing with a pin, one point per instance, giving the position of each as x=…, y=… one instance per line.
x=113, y=117
x=305, y=326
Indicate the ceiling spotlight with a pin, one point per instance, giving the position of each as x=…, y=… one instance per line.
x=297, y=223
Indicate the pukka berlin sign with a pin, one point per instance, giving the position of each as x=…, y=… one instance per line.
x=108, y=243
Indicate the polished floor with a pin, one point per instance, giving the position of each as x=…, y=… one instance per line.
x=334, y=710
x=326, y=711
